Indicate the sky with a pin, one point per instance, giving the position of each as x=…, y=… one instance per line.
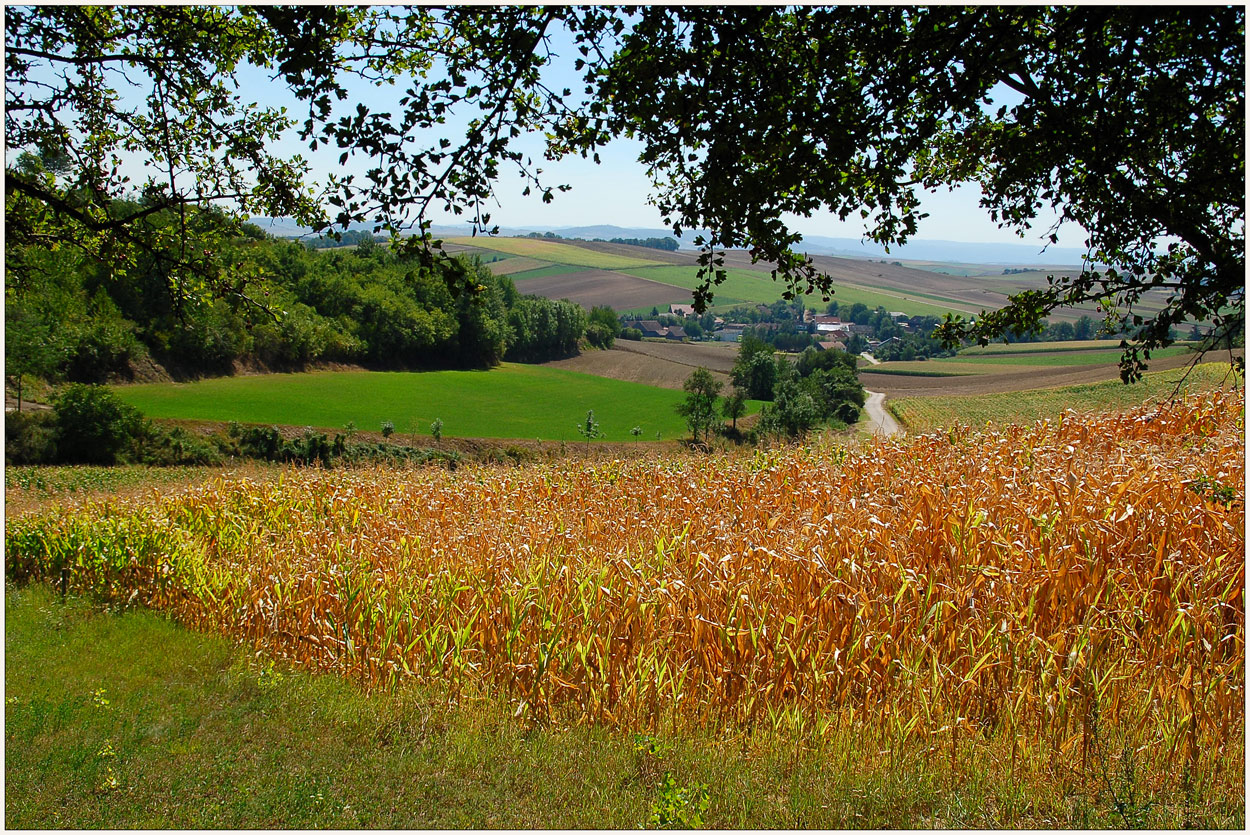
x=615, y=192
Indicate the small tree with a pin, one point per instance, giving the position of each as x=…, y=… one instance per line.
x=590, y=429
x=636, y=431
x=436, y=429
x=29, y=348
x=388, y=428
x=699, y=407
x=735, y=406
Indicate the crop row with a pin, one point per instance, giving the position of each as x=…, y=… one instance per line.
x=1036, y=582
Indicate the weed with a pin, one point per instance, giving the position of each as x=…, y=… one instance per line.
x=679, y=807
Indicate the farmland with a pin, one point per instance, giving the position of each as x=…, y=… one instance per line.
x=513, y=401
x=556, y=252
x=1049, y=598
x=923, y=414
x=589, y=288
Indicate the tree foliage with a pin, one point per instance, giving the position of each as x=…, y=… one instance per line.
x=1128, y=121
x=699, y=407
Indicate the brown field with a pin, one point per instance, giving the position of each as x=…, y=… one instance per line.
x=972, y=293
x=897, y=385
x=591, y=287
x=666, y=365
x=518, y=264
x=682, y=259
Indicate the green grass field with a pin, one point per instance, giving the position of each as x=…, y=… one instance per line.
x=925, y=414
x=555, y=252
x=759, y=288
x=512, y=401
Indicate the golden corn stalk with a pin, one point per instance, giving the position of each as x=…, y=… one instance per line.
x=1028, y=582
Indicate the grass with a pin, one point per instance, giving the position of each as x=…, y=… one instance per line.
x=759, y=287
x=512, y=401
x=1079, y=345
x=923, y=414
x=122, y=720
x=1058, y=357
x=555, y=252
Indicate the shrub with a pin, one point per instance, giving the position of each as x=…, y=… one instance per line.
x=30, y=438
x=93, y=425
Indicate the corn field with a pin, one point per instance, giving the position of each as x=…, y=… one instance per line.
x=1029, y=583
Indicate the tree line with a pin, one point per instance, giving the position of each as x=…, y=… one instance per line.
x=73, y=318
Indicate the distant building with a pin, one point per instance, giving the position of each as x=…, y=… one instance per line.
x=684, y=310
x=831, y=324
x=676, y=332
x=652, y=328
x=831, y=346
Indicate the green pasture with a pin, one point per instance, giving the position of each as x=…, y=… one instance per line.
x=555, y=252
x=759, y=288
x=512, y=401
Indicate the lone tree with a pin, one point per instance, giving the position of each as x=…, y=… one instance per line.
x=734, y=407
x=699, y=407
x=1127, y=121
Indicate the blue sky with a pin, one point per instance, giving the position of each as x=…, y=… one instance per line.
x=616, y=191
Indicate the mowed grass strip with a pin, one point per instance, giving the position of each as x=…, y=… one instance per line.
x=759, y=288
x=511, y=401
x=555, y=252
x=925, y=414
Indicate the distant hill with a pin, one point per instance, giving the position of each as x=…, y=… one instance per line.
x=1002, y=255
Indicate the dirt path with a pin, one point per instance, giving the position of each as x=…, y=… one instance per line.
x=881, y=421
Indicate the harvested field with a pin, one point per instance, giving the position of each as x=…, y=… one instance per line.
x=591, y=287
x=517, y=264
x=654, y=363
x=928, y=414
x=688, y=258
x=557, y=252
x=968, y=294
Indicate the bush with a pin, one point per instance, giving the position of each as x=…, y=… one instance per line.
x=93, y=425
x=30, y=438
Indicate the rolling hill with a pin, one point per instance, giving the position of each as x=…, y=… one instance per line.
x=591, y=273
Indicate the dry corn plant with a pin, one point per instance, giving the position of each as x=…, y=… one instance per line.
x=1014, y=584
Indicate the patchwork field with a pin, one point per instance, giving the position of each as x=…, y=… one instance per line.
x=960, y=379
x=588, y=288
x=556, y=252
x=512, y=401
x=925, y=414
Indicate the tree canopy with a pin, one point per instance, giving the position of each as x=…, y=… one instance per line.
x=1127, y=121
